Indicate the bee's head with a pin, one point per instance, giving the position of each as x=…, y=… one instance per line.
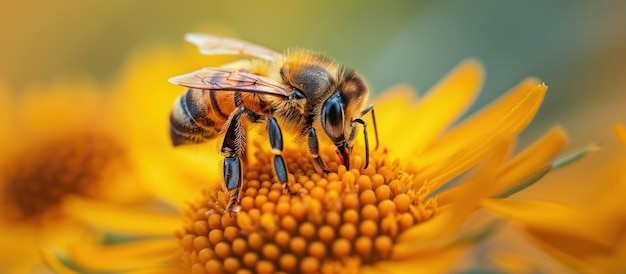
x=340, y=91
x=339, y=111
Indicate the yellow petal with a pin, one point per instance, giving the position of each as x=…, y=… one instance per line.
x=506, y=127
x=442, y=105
x=547, y=218
x=438, y=231
x=484, y=171
x=463, y=161
x=26, y=239
x=619, y=130
x=176, y=175
x=408, y=256
x=128, y=256
x=581, y=253
x=534, y=157
x=526, y=261
x=433, y=262
x=393, y=105
x=511, y=172
x=500, y=154
x=51, y=259
x=464, y=199
x=168, y=269
x=476, y=127
x=120, y=218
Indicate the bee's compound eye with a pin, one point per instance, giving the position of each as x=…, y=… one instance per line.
x=333, y=114
x=333, y=118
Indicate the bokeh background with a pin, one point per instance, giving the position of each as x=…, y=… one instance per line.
x=577, y=47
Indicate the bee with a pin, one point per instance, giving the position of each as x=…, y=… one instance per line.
x=299, y=90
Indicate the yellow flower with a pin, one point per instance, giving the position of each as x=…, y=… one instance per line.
x=56, y=141
x=406, y=211
x=143, y=99
x=590, y=238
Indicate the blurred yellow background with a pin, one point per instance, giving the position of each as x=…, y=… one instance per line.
x=578, y=48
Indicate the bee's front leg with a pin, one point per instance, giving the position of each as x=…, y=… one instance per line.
x=314, y=149
x=367, y=144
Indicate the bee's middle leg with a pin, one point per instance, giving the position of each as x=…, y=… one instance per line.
x=276, y=140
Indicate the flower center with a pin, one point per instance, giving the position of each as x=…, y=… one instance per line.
x=342, y=220
x=41, y=176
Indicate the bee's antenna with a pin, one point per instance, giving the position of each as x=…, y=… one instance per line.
x=375, y=128
x=370, y=108
x=367, y=143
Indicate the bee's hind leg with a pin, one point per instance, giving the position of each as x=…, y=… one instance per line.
x=233, y=148
x=232, y=180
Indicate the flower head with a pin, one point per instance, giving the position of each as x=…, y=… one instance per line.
x=406, y=210
x=57, y=142
x=340, y=222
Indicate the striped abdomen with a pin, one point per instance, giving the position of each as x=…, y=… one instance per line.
x=198, y=115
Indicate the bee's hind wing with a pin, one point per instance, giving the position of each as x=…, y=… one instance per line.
x=217, y=45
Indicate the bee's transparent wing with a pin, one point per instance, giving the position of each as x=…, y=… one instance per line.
x=217, y=45
x=219, y=79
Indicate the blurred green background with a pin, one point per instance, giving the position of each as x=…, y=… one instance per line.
x=577, y=47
